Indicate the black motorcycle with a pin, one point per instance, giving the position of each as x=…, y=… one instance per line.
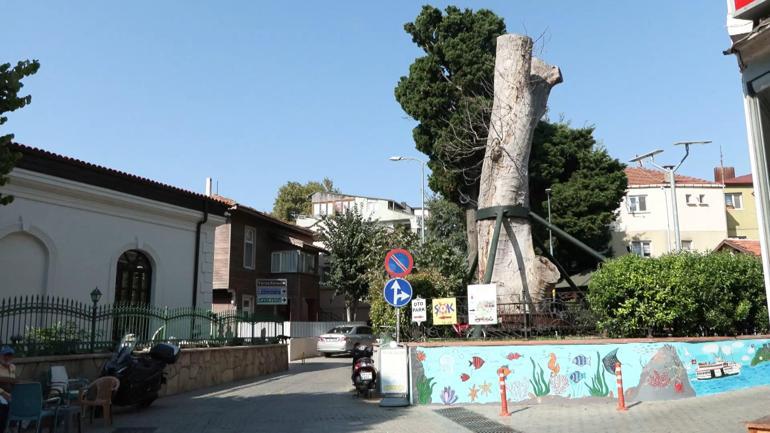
x=140, y=376
x=364, y=375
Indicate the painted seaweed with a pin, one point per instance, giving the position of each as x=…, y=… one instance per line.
x=540, y=385
x=598, y=386
x=762, y=355
x=425, y=387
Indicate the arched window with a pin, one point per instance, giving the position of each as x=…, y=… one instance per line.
x=134, y=278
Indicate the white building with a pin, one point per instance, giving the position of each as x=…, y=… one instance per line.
x=645, y=225
x=74, y=226
x=387, y=212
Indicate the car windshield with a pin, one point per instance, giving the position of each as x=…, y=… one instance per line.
x=341, y=330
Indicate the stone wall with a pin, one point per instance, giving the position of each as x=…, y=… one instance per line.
x=195, y=369
x=201, y=368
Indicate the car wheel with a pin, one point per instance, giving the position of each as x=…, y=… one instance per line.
x=327, y=355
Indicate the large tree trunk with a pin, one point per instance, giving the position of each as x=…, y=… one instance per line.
x=471, y=235
x=521, y=89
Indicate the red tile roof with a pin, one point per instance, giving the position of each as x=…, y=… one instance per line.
x=262, y=215
x=638, y=176
x=740, y=180
x=741, y=245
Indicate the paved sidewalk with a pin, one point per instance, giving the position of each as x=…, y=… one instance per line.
x=721, y=413
x=316, y=397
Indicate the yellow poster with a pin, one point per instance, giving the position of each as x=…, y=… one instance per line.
x=444, y=311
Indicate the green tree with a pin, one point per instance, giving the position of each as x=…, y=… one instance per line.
x=446, y=223
x=10, y=86
x=586, y=183
x=449, y=92
x=351, y=241
x=293, y=198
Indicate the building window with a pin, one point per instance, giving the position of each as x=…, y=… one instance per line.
x=734, y=200
x=686, y=245
x=641, y=248
x=249, y=237
x=292, y=261
x=637, y=203
x=695, y=200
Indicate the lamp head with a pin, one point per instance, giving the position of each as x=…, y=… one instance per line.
x=96, y=295
x=644, y=156
x=396, y=158
x=687, y=143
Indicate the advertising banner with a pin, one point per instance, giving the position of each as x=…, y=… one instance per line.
x=444, y=311
x=482, y=304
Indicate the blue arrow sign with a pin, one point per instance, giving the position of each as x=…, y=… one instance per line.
x=397, y=292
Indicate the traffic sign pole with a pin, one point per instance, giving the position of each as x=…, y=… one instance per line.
x=398, y=325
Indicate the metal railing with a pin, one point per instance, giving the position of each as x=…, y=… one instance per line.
x=516, y=320
x=46, y=325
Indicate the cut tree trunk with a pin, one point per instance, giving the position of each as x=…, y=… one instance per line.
x=521, y=89
x=471, y=235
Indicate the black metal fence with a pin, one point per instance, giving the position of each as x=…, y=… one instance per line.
x=517, y=320
x=46, y=325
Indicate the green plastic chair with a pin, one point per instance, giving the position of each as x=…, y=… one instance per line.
x=27, y=405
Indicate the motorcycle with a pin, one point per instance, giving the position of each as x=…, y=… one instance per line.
x=364, y=375
x=141, y=377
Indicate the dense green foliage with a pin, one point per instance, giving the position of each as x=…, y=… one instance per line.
x=684, y=294
x=10, y=86
x=449, y=93
x=586, y=186
x=293, y=198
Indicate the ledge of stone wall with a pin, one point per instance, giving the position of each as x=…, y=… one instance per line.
x=581, y=341
x=196, y=368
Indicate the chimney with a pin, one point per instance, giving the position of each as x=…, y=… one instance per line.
x=721, y=174
x=208, y=187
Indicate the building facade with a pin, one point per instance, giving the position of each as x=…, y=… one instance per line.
x=74, y=226
x=741, y=208
x=645, y=225
x=387, y=212
x=252, y=248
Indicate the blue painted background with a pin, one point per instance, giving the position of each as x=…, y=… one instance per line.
x=468, y=374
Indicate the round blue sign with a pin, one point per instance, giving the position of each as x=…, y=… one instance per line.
x=397, y=292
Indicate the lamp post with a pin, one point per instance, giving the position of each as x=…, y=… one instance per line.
x=670, y=170
x=550, y=234
x=95, y=296
x=422, y=190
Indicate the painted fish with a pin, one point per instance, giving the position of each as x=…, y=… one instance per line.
x=577, y=376
x=464, y=377
x=513, y=356
x=420, y=356
x=678, y=387
x=581, y=360
x=476, y=362
x=610, y=360
x=553, y=365
x=504, y=371
x=693, y=361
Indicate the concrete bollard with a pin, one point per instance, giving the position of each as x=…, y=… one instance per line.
x=621, y=397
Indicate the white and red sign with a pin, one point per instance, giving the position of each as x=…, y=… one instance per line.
x=751, y=9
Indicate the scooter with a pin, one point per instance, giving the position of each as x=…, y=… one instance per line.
x=364, y=375
x=140, y=376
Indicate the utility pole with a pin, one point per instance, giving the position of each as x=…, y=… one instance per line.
x=422, y=190
x=670, y=170
x=550, y=233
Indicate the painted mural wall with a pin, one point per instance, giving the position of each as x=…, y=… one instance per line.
x=538, y=373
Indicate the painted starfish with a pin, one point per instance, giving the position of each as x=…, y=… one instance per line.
x=473, y=393
x=486, y=388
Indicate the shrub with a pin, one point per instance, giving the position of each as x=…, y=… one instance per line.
x=679, y=294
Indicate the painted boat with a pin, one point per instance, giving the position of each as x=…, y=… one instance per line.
x=716, y=370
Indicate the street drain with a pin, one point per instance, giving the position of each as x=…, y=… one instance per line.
x=473, y=421
x=135, y=430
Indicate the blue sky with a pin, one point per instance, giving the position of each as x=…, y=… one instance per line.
x=255, y=94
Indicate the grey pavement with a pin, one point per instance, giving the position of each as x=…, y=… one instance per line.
x=317, y=397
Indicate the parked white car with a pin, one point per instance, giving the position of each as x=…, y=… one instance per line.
x=341, y=339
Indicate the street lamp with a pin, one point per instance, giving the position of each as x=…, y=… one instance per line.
x=550, y=234
x=671, y=171
x=95, y=296
x=422, y=190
